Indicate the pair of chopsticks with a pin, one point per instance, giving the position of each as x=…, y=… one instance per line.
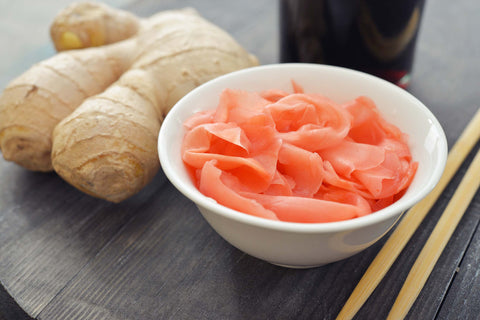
x=408, y=225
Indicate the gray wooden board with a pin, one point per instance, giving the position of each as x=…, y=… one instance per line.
x=463, y=298
x=66, y=255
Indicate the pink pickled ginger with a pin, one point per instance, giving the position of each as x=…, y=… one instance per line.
x=297, y=157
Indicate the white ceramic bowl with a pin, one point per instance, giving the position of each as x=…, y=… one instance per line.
x=302, y=245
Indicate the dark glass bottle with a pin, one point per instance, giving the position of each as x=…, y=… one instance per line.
x=374, y=36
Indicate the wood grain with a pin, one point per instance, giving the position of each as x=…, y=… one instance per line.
x=45, y=243
x=462, y=300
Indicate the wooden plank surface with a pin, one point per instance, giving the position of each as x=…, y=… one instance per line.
x=464, y=294
x=64, y=255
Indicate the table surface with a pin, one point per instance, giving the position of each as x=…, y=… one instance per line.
x=65, y=255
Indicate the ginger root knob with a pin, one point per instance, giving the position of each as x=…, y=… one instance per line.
x=70, y=40
x=91, y=24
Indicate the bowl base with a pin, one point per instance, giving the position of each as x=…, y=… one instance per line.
x=298, y=266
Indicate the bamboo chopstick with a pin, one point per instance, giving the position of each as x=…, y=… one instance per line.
x=410, y=222
x=437, y=241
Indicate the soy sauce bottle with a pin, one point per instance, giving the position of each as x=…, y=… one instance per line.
x=374, y=36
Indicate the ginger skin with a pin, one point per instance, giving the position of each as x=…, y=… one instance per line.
x=33, y=104
x=107, y=146
x=91, y=24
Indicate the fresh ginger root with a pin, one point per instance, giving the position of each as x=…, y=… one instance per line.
x=106, y=143
x=33, y=104
x=88, y=24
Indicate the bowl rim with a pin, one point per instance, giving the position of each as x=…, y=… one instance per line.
x=394, y=210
